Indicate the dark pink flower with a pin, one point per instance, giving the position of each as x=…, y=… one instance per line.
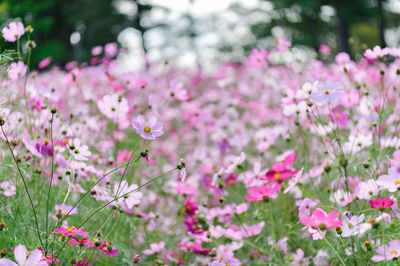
x=107, y=250
x=190, y=206
x=282, y=171
x=82, y=242
x=72, y=231
x=381, y=204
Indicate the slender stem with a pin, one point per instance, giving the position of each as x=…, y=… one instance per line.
x=334, y=250
x=115, y=199
x=87, y=192
x=25, y=186
x=16, y=224
x=51, y=180
x=126, y=168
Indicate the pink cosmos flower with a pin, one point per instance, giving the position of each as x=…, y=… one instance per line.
x=391, y=181
x=65, y=209
x=82, y=242
x=21, y=256
x=327, y=93
x=376, y=53
x=281, y=171
x=154, y=248
x=182, y=170
x=7, y=188
x=13, y=31
x=45, y=62
x=111, y=50
x=387, y=252
x=97, y=50
x=324, y=49
x=381, y=204
x=252, y=230
x=178, y=91
x=107, y=250
x=78, y=150
x=196, y=248
x=258, y=58
x=261, y=193
x=283, y=44
x=321, y=220
x=17, y=70
x=148, y=129
x=190, y=206
x=72, y=231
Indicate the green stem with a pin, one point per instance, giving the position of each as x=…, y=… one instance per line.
x=51, y=181
x=25, y=186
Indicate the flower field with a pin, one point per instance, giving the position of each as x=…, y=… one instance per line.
x=256, y=163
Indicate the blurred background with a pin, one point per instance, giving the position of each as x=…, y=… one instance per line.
x=201, y=32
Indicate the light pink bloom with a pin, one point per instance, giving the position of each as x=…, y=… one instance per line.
x=324, y=49
x=283, y=44
x=65, y=209
x=154, y=248
x=391, y=181
x=261, y=193
x=258, y=58
x=97, y=50
x=387, y=252
x=148, y=129
x=45, y=62
x=13, y=31
x=21, y=256
x=17, y=70
x=7, y=188
x=178, y=91
x=321, y=220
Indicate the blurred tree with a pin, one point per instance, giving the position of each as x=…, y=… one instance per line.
x=95, y=22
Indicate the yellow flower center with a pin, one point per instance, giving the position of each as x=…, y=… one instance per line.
x=338, y=116
x=72, y=228
x=397, y=182
x=147, y=129
x=349, y=225
x=277, y=175
x=326, y=92
x=394, y=252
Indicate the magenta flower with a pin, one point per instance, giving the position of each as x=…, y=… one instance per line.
x=82, y=242
x=321, y=220
x=72, y=231
x=13, y=31
x=381, y=204
x=387, y=252
x=107, y=250
x=282, y=171
x=261, y=193
x=196, y=248
x=148, y=129
x=191, y=206
x=22, y=258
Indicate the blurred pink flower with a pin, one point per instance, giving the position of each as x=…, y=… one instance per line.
x=13, y=31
